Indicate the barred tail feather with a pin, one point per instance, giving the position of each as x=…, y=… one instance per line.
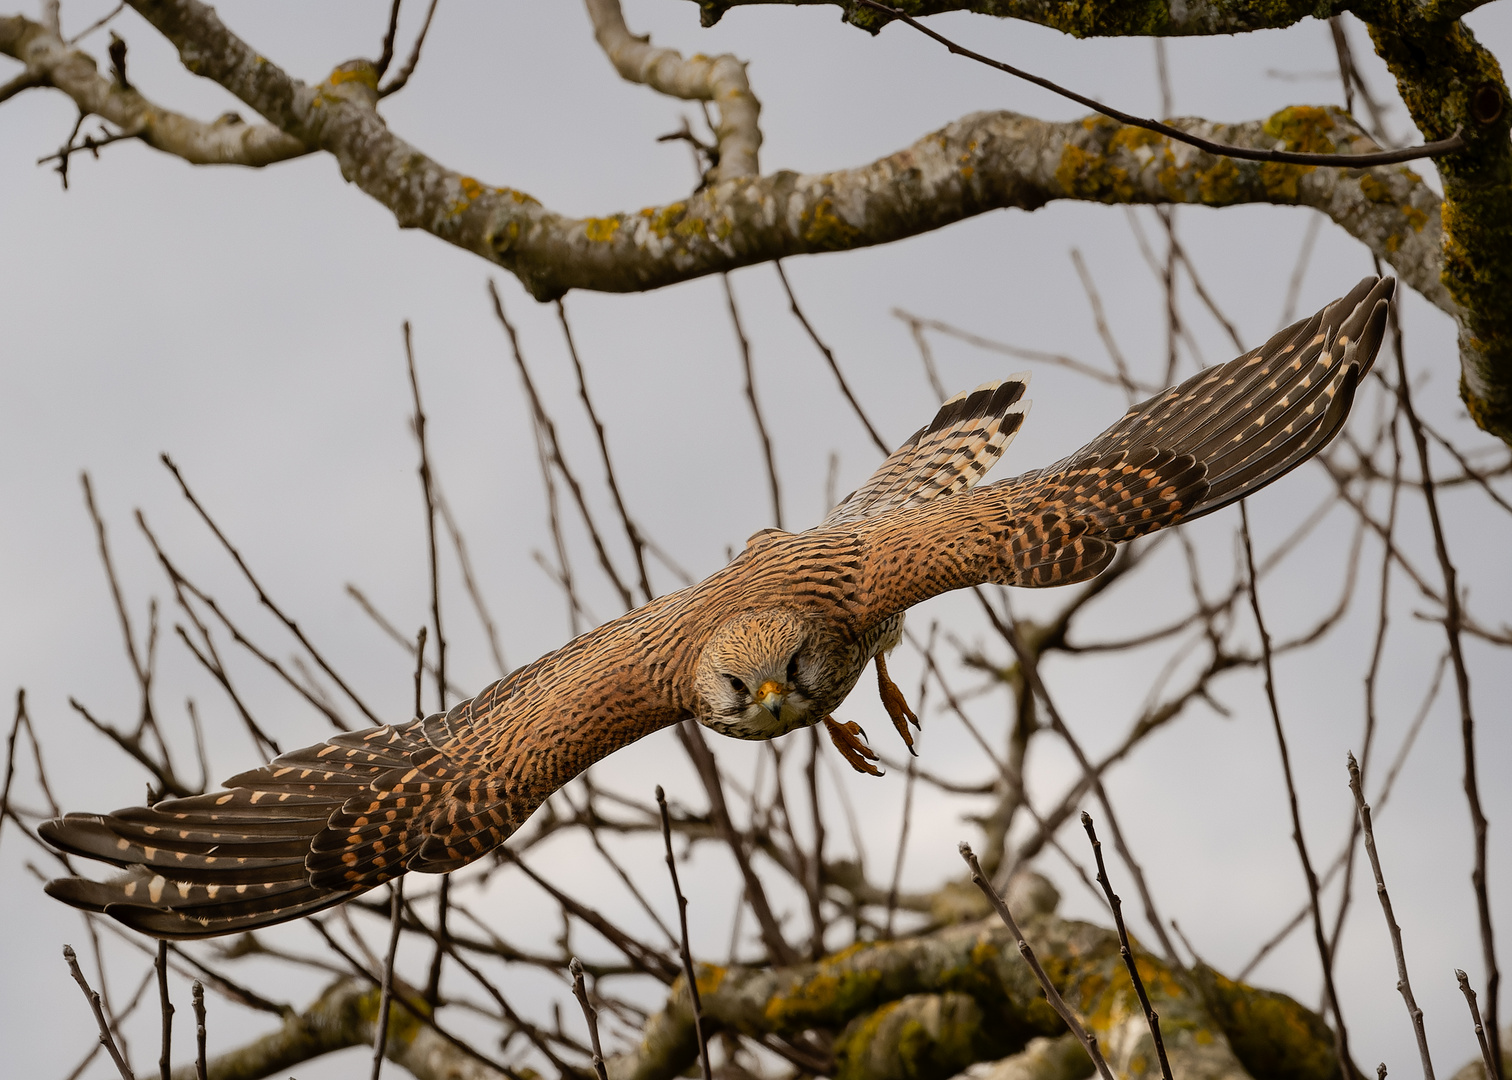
x=284, y=840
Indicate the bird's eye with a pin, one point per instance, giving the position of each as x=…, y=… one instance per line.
x=736, y=684
x=792, y=671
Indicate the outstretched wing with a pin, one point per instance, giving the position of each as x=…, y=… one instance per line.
x=950, y=454
x=318, y=825
x=1219, y=436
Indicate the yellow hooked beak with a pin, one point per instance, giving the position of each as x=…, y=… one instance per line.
x=771, y=696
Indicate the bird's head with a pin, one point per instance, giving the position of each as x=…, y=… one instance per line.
x=759, y=675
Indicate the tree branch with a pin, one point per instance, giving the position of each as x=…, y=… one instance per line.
x=228, y=140
x=720, y=79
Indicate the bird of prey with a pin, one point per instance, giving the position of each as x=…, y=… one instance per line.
x=774, y=641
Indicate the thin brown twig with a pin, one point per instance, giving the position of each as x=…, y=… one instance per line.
x=689, y=976
x=1453, y=619
x=165, y=1008
x=1029, y=664
x=1487, y=1060
x=182, y=586
x=590, y=1015
x=750, y=393
x=197, y=995
x=1088, y=1040
x=829, y=357
x=632, y=532
x=644, y=957
x=419, y=673
x=1151, y=1016
x=1380, y=805
x=10, y=755
x=1325, y=956
x=1100, y=318
x=708, y=772
x=262, y=596
x=386, y=993
x=391, y=631
x=402, y=79
x=418, y=428
x=814, y=875
x=1404, y=984
x=1036, y=356
x=1299, y=271
x=386, y=56
x=548, y=430
x=469, y=580
x=1353, y=161
x=107, y=1040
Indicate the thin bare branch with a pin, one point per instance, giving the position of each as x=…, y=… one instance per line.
x=1088, y=1040
x=750, y=393
x=1151, y=1016
x=1325, y=956
x=1404, y=984
x=689, y=975
x=107, y=1040
x=829, y=357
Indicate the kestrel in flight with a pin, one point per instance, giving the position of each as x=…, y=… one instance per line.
x=774, y=641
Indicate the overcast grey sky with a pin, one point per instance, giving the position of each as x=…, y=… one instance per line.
x=248, y=324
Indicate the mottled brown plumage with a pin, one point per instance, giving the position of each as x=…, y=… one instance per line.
x=774, y=641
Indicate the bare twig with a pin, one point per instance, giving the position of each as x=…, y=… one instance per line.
x=197, y=994
x=386, y=995
x=386, y=56
x=165, y=1007
x=548, y=430
x=1325, y=956
x=708, y=772
x=829, y=357
x=1151, y=1016
x=687, y=956
x=262, y=597
x=1100, y=317
x=590, y=1015
x=430, y=518
x=402, y=79
x=750, y=392
x=1354, y=161
x=1489, y=1062
x=1088, y=1040
x=419, y=673
x=637, y=545
x=1404, y=985
x=919, y=324
x=1453, y=619
x=107, y=1040
x=1029, y=664
x=469, y=581
x=814, y=885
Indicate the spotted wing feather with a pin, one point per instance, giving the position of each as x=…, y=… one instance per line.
x=1221, y=435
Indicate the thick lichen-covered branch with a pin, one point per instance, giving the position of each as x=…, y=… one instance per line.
x=345, y=1015
x=926, y=1007
x=1109, y=18
x=720, y=79
x=1450, y=81
x=982, y=162
x=52, y=62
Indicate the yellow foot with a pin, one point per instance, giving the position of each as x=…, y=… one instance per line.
x=850, y=740
x=897, y=708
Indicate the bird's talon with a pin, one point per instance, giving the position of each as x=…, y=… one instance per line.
x=896, y=706
x=850, y=740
